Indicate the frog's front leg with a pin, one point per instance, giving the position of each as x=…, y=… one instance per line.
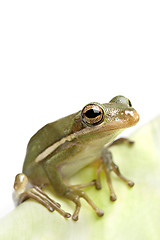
x=24, y=191
x=108, y=166
x=72, y=193
x=120, y=141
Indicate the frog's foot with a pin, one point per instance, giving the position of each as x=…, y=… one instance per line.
x=75, y=195
x=24, y=191
x=108, y=165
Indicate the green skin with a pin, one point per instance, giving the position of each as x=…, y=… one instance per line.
x=62, y=148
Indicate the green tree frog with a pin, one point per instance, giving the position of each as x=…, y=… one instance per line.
x=62, y=148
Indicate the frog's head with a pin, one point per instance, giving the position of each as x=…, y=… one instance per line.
x=118, y=113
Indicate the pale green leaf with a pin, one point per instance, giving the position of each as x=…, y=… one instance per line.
x=135, y=215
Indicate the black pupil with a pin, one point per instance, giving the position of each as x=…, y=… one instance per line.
x=130, y=104
x=92, y=113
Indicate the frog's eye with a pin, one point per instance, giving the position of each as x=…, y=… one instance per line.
x=129, y=103
x=122, y=100
x=92, y=114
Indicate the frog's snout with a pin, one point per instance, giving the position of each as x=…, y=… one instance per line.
x=136, y=116
x=133, y=116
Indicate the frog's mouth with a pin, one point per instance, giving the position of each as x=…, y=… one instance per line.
x=125, y=119
x=132, y=117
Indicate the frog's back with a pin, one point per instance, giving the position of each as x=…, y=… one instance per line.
x=45, y=137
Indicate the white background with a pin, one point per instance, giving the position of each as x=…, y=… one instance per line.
x=56, y=56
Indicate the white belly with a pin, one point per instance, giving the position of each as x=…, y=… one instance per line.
x=87, y=155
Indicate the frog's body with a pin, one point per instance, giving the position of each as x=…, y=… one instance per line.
x=60, y=149
x=44, y=138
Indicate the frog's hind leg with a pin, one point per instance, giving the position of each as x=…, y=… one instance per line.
x=72, y=193
x=24, y=191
